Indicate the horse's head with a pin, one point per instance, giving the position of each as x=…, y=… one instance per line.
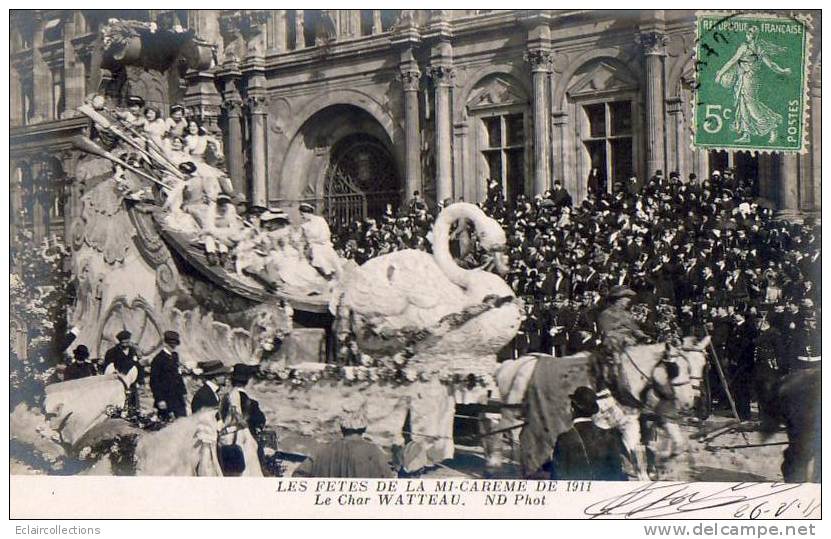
x=691, y=360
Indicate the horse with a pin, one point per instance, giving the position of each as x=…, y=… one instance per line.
x=78, y=411
x=541, y=383
x=796, y=401
x=187, y=447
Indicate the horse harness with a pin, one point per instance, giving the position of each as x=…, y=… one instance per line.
x=688, y=381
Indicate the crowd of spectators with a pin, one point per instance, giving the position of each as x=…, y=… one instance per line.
x=704, y=257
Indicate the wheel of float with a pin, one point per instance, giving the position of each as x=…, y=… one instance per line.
x=140, y=319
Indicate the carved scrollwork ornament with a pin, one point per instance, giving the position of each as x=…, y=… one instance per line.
x=232, y=106
x=256, y=104
x=167, y=277
x=652, y=42
x=410, y=78
x=442, y=74
x=540, y=59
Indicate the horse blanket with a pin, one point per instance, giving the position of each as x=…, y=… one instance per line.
x=547, y=407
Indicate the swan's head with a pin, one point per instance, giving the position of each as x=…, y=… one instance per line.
x=492, y=239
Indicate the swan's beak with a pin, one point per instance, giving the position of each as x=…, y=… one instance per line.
x=500, y=263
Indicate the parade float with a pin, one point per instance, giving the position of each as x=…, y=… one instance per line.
x=428, y=331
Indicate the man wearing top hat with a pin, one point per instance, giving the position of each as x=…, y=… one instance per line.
x=166, y=380
x=586, y=451
x=123, y=359
x=243, y=422
x=213, y=373
x=239, y=400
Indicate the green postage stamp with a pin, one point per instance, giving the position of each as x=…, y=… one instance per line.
x=751, y=91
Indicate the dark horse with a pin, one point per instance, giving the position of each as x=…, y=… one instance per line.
x=796, y=401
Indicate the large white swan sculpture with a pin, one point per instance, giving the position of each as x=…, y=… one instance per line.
x=426, y=305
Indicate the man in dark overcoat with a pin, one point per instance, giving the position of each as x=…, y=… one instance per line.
x=586, y=451
x=123, y=359
x=213, y=375
x=166, y=380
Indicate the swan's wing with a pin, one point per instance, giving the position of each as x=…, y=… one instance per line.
x=420, y=281
x=367, y=291
x=392, y=284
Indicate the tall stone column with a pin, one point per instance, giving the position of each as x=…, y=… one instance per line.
x=442, y=76
x=277, y=31
x=233, y=151
x=15, y=199
x=299, y=35
x=653, y=44
x=816, y=139
x=355, y=22
x=232, y=106
x=676, y=123
x=464, y=185
x=766, y=177
x=256, y=105
x=562, y=167
x=702, y=162
x=411, y=80
x=41, y=75
x=74, y=84
x=540, y=60
x=788, y=182
x=71, y=202
x=39, y=212
x=377, y=27
x=15, y=97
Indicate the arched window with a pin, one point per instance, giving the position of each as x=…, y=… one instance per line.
x=498, y=109
x=603, y=95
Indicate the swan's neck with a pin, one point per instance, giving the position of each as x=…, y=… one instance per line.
x=441, y=242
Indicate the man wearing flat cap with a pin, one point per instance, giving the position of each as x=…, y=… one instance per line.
x=166, y=380
x=123, y=359
x=586, y=451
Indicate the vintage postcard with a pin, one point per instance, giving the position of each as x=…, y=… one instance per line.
x=412, y=263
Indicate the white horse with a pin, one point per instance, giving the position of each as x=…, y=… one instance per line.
x=639, y=366
x=78, y=411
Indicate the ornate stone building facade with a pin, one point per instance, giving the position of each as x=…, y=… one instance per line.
x=355, y=109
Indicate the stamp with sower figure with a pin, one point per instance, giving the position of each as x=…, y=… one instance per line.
x=751, y=82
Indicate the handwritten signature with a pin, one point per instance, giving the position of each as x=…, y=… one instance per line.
x=752, y=500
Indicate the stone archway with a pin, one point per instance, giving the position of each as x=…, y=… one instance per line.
x=341, y=149
x=362, y=162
